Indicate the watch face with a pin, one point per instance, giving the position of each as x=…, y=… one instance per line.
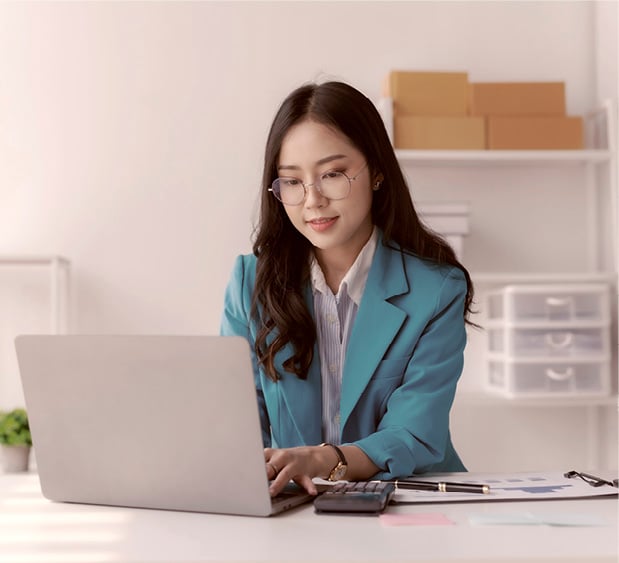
x=338, y=472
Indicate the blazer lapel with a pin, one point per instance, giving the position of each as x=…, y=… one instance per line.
x=376, y=325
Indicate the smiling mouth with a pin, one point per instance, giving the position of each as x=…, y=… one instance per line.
x=321, y=220
x=322, y=223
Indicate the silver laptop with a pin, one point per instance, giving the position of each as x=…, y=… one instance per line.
x=167, y=422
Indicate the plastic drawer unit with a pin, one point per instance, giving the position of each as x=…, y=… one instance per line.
x=549, y=340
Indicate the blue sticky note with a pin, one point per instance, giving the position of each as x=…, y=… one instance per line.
x=502, y=519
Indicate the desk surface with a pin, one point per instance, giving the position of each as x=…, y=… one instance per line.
x=35, y=530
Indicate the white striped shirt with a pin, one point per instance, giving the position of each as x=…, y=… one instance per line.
x=335, y=316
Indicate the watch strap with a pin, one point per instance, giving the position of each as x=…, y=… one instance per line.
x=340, y=466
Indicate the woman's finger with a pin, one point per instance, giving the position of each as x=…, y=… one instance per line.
x=272, y=470
x=306, y=482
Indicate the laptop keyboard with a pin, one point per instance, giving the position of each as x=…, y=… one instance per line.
x=283, y=496
x=361, y=496
x=290, y=490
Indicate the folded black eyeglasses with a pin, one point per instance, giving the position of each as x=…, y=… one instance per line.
x=591, y=479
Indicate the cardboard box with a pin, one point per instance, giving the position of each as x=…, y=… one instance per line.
x=535, y=132
x=422, y=132
x=517, y=98
x=427, y=93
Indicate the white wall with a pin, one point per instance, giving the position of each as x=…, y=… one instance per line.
x=131, y=134
x=606, y=21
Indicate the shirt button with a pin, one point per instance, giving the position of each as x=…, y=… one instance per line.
x=336, y=418
x=332, y=368
x=331, y=318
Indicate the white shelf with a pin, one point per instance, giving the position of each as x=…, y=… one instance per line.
x=507, y=278
x=599, y=133
x=600, y=190
x=481, y=399
x=480, y=157
x=59, y=274
x=35, y=259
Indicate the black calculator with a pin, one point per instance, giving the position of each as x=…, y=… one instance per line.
x=355, y=497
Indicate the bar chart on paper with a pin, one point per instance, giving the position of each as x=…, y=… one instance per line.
x=547, y=485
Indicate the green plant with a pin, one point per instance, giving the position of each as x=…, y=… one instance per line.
x=14, y=428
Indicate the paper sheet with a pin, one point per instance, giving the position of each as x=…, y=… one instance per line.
x=507, y=486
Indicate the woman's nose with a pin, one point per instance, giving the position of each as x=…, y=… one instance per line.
x=313, y=196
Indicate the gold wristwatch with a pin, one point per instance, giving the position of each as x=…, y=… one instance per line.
x=340, y=469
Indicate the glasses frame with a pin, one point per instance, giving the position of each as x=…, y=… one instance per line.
x=318, y=186
x=590, y=479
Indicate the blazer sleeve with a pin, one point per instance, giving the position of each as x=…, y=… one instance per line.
x=236, y=322
x=413, y=434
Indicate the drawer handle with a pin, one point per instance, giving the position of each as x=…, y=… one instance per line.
x=558, y=375
x=559, y=339
x=558, y=301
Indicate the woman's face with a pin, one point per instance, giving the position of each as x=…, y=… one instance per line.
x=339, y=228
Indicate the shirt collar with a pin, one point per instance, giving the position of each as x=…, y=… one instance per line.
x=356, y=277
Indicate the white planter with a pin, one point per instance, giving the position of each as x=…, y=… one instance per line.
x=15, y=459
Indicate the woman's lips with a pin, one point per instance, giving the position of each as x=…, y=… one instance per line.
x=322, y=224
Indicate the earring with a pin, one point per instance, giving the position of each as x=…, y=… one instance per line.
x=379, y=181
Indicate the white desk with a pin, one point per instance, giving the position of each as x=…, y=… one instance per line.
x=35, y=530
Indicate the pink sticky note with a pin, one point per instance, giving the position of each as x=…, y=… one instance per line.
x=427, y=519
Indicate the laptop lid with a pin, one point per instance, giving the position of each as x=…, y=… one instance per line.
x=168, y=422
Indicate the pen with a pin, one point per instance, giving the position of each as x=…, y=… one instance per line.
x=443, y=486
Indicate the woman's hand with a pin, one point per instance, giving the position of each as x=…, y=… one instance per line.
x=303, y=463
x=299, y=464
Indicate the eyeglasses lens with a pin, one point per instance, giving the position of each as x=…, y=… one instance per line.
x=291, y=191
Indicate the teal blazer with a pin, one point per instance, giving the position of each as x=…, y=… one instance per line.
x=404, y=358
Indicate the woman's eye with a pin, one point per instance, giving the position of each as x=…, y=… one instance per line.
x=330, y=175
x=289, y=182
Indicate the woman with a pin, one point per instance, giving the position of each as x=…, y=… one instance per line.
x=354, y=310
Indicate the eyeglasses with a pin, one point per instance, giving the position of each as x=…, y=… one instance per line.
x=591, y=479
x=332, y=185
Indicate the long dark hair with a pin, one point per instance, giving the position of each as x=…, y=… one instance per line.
x=283, y=254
